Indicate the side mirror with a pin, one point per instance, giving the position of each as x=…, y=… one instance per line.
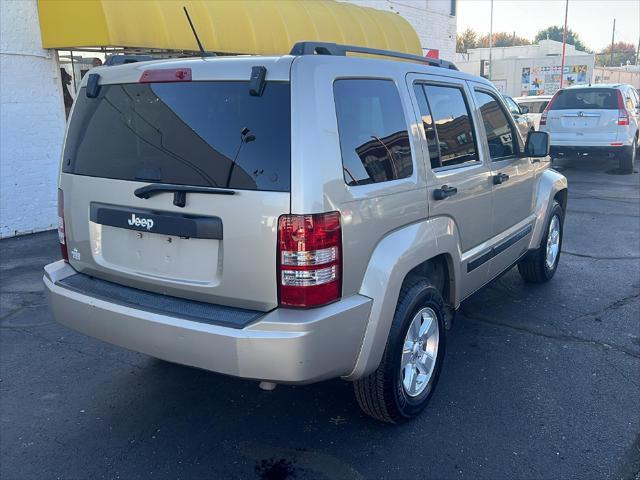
x=524, y=109
x=537, y=145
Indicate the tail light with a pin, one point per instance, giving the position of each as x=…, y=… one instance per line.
x=61, y=233
x=543, y=117
x=309, y=259
x=623, y=114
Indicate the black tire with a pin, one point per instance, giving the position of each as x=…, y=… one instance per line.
x=533, y=268
x=628, y=157
x=381, y=395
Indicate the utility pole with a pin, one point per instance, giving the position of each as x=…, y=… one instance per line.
x=613, y=36
x=564, y=42
x=491, y=41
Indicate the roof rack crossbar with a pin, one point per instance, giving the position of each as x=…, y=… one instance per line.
x=326, y=48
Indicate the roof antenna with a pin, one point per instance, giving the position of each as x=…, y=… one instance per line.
x=203, y=53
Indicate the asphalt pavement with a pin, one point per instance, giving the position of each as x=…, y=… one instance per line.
x=539, y=382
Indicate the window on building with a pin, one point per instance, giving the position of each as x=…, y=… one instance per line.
x=498, y=129
x=374, y=139
x=447, y=122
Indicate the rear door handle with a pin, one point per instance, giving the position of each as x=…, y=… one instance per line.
x=499, y=178
x=444, y=192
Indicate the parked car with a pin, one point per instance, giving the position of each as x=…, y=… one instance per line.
x=298, y=218
x=601, y=118
x=532, y=107
x=522, y=120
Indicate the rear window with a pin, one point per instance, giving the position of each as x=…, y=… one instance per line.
x=586, y=99
x=212, y=134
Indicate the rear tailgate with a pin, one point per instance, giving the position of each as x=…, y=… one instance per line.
x=584, y=116
x=219, y=247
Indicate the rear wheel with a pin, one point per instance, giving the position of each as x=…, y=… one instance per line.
x=403, y=383
x=540, y=265
x=629, y=157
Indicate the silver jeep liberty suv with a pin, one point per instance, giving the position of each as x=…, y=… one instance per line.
x=297, y=218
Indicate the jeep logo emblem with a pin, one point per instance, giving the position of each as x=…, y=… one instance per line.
x=140, y=222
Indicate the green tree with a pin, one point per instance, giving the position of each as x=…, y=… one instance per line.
x=555, y=33
x=503, y=39
x=622, y=52
x=466, y=40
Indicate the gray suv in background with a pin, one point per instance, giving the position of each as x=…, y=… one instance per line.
x=297, y=218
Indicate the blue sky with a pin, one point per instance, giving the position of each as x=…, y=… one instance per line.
x=592, y=20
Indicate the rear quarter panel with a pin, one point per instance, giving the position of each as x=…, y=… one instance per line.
x=369, y=212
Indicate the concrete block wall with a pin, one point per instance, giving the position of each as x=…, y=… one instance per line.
x=32, y=123
x=431, y=19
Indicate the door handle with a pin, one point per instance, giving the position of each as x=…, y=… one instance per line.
x=444, y=192
x=500, y=178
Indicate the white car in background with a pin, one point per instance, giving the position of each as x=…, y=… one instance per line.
x=602, y=118
x=524, y=124
x=532, y=107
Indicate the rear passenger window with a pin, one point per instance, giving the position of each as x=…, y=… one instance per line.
x=429, y=127
x=446, y=110
x=374, y=139
x=500, y=134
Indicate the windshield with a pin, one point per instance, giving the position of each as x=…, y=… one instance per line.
x=212, y=134
x=535, y=107
x=586, y=99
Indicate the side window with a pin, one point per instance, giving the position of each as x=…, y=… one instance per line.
x=448, y=111
x=372, y=127
x=500, y=135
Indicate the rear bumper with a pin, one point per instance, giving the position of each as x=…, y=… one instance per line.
x=284, y=345
x=557, y=150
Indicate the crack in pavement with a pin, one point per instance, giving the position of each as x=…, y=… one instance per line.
x=553, y=336
x=578, y=196
x=70, y=346
x=620, y=372
x=597, y=257
x=608, y=214
x=621, y=302
x=13, y=312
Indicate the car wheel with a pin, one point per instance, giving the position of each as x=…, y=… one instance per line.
x=629, y=157
x=540, y=265
x=400, y=388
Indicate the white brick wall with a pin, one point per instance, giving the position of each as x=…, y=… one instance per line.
x=31, y=122
x=431, y=19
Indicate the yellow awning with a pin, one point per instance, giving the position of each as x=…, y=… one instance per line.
x=264, y=27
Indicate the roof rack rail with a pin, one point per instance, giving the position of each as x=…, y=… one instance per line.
x=326, y=48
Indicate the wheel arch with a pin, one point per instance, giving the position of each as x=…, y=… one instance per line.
x=551, y=186
x=439, y=271
x=429, y=247
x=561, y=197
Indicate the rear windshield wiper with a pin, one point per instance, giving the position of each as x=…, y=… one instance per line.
x=179, y=191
